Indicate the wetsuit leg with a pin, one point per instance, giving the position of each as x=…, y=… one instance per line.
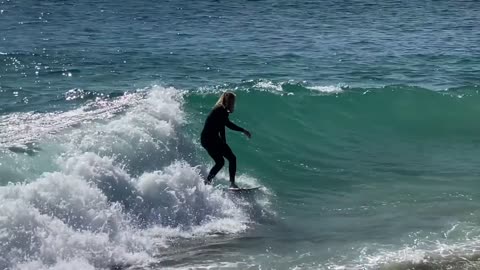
x=232, y=162
x=216, y=153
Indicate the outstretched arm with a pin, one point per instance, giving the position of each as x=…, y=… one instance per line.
x=232, y=126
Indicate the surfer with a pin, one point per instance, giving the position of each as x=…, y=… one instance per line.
x=213, y=137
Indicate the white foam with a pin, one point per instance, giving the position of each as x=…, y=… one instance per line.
x=75, y=264
x=60, y=217
x=137, y=127
x=69, y=216
x=330, y=89
x=269, y=86
x=143, y=137
x=24, y=128
x=180, y=198
x=120, y=189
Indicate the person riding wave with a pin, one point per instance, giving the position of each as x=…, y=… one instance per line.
x=213, y=137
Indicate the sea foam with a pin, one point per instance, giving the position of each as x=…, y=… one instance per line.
x=120, y=187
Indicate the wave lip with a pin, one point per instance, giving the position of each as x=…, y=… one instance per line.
x=24, y=128
x=290, y=87
x=331, y=89
x=269, y=85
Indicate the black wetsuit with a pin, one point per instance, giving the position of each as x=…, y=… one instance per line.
x=214, y=141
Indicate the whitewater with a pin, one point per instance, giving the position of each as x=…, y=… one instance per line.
x=120, y=187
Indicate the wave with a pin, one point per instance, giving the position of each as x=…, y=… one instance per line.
x=24, y=128
x=295, y=86
x=395, y=106
x=116, y=180
x=275, y=87
x=327, y=89
x=112, y=182
x=399, y=129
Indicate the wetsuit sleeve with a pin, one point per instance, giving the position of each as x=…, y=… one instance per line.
x=232, y=126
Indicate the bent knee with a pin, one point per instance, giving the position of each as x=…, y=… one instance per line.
x=219, y=162
x=232, y=159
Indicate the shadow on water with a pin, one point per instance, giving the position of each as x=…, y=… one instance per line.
x=186, y=252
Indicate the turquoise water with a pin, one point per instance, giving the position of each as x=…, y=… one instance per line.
x=364, y=122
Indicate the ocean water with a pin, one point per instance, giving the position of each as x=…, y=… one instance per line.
x=364, y=117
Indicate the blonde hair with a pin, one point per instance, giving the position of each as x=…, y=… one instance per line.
x=226, y=100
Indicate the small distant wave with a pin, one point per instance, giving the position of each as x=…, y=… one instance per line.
x=275, y=87
x=331, y=89
x=421, y=254
x=269, y=85
x=292, y=87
